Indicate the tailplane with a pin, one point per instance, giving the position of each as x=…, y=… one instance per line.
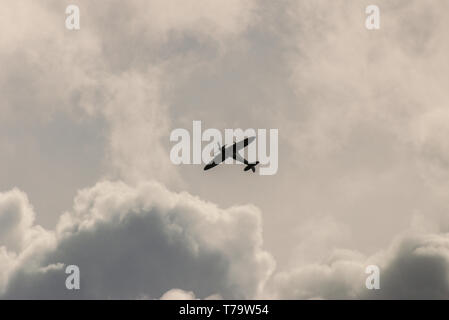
x=251, y=166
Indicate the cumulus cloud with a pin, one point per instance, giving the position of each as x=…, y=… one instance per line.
x=340, y=277
x=134, y=242
x=414, y=266
x=130, y=242
x=363, y=118
x=178, y=294
x=18, y=234
x=20, y=240
x=16, y=218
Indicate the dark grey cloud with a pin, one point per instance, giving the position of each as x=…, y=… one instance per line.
x=418, y=270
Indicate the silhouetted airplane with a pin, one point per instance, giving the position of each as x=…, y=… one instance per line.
x=232, y=152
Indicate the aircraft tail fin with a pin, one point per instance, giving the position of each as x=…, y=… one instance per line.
x=251, y=166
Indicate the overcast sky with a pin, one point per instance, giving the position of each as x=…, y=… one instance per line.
x=86, y=178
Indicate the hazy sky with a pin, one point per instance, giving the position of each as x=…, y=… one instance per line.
x=86, y=178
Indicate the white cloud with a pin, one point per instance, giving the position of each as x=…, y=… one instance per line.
x=178, y=294
x=414, y=266
x=16, y=219
x=142, y=241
